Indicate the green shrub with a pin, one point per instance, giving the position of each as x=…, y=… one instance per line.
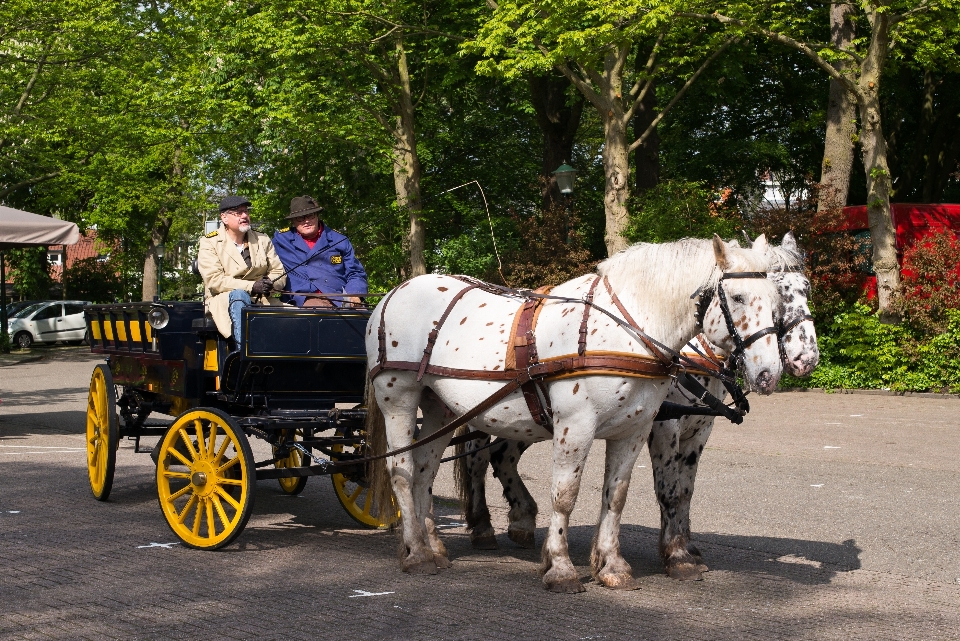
x=677, y=209
x=857, y=351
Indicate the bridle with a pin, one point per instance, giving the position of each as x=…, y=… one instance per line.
x=741, y=344
x=784, y=328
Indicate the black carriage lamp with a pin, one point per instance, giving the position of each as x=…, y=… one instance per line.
x=565, y=175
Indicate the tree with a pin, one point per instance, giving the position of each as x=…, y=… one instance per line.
x=889, y=23
x=591, y=43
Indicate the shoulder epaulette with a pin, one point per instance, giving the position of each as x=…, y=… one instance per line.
x=212, y=234
x=283, y=230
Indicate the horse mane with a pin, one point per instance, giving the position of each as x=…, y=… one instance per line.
x=782, y=259
x=650, y=275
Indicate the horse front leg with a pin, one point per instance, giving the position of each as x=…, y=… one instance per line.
x=675, y=449
x=523, y=508
x=607, y=564
x=398, y=395
x=426, y=461
x=570, y=449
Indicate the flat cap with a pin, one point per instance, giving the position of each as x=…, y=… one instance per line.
x=232, y=202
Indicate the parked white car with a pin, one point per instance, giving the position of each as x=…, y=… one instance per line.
x=49, y=322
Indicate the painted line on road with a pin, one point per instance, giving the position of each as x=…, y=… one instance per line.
x=46, y=447
x=831, y=447
x=165, y=546
x=365, y=593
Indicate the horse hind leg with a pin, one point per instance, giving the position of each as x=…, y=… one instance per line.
x=607, y=564
x=523, y=508
x=470, y=472
x=397, y=395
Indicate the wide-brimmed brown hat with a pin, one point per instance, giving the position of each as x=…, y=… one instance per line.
x=303, y=205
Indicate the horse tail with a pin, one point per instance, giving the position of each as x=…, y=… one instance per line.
x=375, y=429
x=461, y=475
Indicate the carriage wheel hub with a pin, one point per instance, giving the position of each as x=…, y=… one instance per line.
x=198, y=478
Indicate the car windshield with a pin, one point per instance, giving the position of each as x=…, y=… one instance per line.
x=26, y=311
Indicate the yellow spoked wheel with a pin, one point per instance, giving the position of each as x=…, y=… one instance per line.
x=205, y=478
x=354, y=493
x=296, y=458
x=103, y=432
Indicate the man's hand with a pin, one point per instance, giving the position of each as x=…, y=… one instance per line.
x=354, y=301
x=262, y=287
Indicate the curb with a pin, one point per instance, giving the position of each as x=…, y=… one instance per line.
x=31, y=359
x=870, y=392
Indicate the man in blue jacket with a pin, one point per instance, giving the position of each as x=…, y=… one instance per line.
x=319, y=259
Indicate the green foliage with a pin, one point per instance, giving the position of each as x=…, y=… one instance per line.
x=857, y=351
x=91, y=279
x=677, y=209
x=30, y=272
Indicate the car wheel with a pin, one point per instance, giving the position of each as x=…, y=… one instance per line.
x=23, y=340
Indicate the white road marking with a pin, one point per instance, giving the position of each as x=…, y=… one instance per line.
x=13, y=511
x=454, y=524
x=365, y=593
x=46, y=447
x=820, y=485
x=46, y=452
x=165, y=546
x=831, y=447
x=856, y=415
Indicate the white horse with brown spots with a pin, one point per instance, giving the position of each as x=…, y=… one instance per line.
x=675, y=446
x=654, y=284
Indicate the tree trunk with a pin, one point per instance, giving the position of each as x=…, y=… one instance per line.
x=616, y=170
x=406, y=164
x=558, y=123
x=838, y=149
x=647, y=158
x=151, y=267
x=874, y=153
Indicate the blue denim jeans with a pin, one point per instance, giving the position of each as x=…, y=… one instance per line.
x=238, y=300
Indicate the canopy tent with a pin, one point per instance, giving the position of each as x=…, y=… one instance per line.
x=22, y=229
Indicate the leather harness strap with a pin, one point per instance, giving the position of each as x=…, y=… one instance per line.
x=432, y=338
x=663, y=358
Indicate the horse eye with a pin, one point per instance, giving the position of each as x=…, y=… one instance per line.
x=737, y=298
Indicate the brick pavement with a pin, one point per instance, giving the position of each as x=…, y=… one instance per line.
x=871, y=552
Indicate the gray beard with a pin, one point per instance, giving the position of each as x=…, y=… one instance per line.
x=244, y=228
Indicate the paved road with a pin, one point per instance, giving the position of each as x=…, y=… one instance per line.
x=822, y=517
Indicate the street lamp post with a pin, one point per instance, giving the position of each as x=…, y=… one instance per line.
x=159, y=251
x=565, y=176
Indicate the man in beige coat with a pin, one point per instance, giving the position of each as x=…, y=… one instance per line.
x=239, y=267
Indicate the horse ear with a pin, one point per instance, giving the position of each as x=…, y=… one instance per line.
x=760, y=244
x=789, y=242
x=720, y=253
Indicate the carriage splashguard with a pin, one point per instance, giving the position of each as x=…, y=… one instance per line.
x=296, y=382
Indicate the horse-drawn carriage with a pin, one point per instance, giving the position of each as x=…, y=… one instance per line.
x=296, y=383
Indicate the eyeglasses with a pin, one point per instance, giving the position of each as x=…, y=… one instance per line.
x=303, y=219
x=235, y=212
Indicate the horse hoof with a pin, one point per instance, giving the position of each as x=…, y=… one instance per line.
x=442, y=561
x=523, y=538
x=428, y=566
x=702, y=567
x=618, y=581
x=565, y=586
x=484, y=543
x=684, y=572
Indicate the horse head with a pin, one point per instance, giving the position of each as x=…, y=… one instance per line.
x=739, y=313
x=798, y=337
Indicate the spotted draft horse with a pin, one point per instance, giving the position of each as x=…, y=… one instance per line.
x=437, y=342
x=674, y=445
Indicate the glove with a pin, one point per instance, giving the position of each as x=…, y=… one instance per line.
x=262, y=286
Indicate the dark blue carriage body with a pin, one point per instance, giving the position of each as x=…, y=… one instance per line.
x=292, y=360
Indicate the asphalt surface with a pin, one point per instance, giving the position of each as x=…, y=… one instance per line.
x=823, y=516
